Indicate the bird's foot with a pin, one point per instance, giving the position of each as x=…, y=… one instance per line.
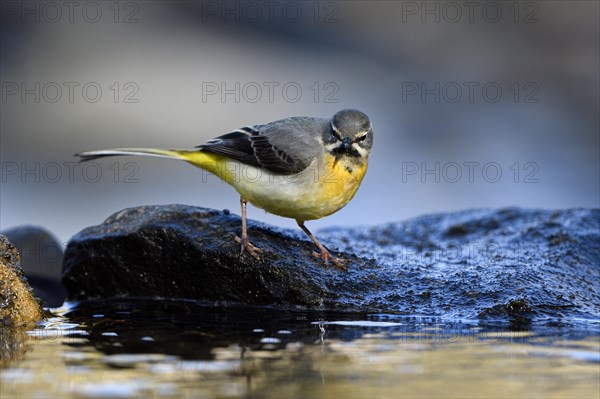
x=248, y=247
x=326, y=256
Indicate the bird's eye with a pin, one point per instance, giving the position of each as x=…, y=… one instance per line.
x=336, y=135
x=362, y=138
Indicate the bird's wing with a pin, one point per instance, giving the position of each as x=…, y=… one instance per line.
x=235, y=145
x=282, y=147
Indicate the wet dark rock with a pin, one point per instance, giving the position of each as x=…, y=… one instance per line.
x=514, y=309
x=18, y=306
x=509, y=264
x=41, y=260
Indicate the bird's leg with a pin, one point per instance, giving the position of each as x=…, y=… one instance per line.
x=246, y=244
x=323, y=253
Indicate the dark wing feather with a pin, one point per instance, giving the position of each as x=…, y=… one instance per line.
x=235, y=145
x=273, y=158
x=247, y=145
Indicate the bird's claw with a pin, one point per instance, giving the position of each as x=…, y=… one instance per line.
x=326, y=256
x=248, y=247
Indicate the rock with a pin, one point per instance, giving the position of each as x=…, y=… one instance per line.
x=41, y=260
x=510, y=264
x=18, y=307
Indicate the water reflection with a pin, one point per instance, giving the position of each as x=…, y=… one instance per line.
x=182, y=349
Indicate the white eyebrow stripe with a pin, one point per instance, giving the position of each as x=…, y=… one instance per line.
x=336, y=132
x=332, y=146
x=360, y=150
x=334, y=127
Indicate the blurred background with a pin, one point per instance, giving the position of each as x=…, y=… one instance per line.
x=474, y=104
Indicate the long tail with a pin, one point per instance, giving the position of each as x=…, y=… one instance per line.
x=91, y=155
x=205, y=160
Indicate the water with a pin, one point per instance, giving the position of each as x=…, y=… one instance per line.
x=180, y=349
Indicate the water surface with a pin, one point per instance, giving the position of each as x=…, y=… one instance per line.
x=181, y=349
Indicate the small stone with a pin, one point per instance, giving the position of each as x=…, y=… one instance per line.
x=18, y=307
x=41, y=260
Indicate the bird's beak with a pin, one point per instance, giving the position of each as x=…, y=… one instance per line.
x=346, y=143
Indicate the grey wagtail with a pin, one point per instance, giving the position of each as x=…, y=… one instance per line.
x=299, y=167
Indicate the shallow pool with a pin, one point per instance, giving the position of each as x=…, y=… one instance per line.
x=182, y=349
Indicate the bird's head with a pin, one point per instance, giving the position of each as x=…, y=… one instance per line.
x=350, y=134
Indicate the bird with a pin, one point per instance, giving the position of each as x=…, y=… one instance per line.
x=304, y=168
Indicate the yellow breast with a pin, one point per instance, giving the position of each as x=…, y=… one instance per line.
x=338, y=182
x=322, y=189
